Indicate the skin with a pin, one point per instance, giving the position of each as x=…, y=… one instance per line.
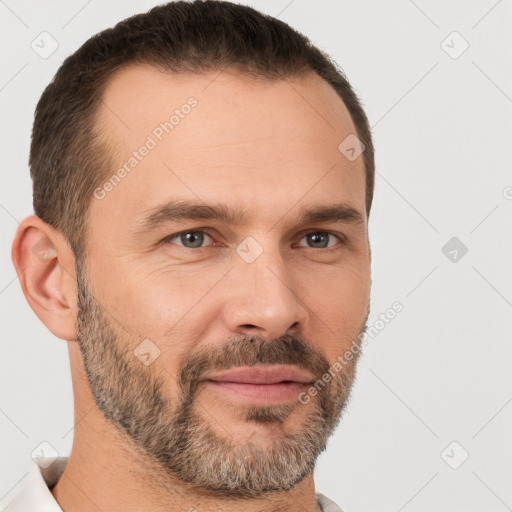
x=268, y=148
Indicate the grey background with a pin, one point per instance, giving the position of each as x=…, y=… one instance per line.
x=441, y=370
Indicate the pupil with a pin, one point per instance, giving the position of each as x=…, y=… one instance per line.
x=317, y=238
x=194, y=239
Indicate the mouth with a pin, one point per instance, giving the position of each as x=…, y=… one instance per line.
x=262, y=385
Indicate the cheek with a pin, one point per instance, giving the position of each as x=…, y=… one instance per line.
x=167, y=305
x=346, y=283
x=339, y=299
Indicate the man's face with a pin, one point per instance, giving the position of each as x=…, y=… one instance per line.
x=272, y=289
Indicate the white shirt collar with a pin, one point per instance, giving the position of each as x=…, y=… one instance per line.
x=44, y=474
x=35, y=495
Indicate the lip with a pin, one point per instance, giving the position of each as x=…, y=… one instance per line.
x=261, y=385
x=260, y=394
x=275, y=374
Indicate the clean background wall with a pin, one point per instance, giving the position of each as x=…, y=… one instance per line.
x=440, y=371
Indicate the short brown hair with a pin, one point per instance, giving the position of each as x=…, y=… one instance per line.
x=67, y=156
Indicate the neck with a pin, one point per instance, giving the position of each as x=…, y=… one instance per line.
x=102, y=475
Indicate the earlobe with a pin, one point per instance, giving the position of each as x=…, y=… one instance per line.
x=44, y=263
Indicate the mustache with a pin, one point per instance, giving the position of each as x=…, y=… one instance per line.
x=288, y=349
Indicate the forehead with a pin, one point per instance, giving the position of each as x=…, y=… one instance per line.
x=221, y=137
x=140, y=94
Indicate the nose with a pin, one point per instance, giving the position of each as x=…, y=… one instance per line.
x=263, y=298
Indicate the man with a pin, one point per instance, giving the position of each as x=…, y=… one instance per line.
x=203, y=177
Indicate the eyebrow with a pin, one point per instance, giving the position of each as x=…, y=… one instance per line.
x=176, y=210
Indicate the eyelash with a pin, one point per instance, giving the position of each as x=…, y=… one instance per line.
x=340, y=236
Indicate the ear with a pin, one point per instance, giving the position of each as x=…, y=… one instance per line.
x=45, y=265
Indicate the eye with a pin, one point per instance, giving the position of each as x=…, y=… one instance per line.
x=188, y=239
x=320, y=239
x=196, y=239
